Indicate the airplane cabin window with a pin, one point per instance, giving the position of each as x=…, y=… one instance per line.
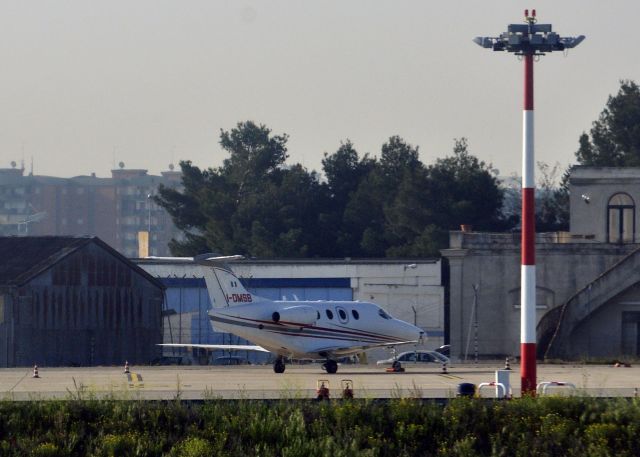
x=329, y=314
x=342, y=314
x=383, y=314
x=318, y=312
x=355, y=314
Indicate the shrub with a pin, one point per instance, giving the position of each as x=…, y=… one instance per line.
x=396, y=427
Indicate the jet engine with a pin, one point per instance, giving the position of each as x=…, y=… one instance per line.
x=296, y=315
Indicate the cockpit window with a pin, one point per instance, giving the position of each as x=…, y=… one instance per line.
x=330, y=314
x=383, y=314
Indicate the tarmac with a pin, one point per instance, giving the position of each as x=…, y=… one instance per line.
x=302, y=382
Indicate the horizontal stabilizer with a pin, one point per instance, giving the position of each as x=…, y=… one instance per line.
x=202, y=258
x=225, y=347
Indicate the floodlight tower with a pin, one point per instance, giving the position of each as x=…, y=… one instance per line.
x=528, y=40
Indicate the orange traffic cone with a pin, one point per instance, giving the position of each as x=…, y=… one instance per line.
x=126, y=367
x=35, y=371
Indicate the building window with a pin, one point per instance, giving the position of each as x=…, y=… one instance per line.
x=620, y=219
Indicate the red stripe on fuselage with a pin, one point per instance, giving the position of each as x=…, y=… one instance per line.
x=352, y=333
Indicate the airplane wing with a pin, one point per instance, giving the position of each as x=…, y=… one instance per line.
x=338, y=350
x=398, y=343
x=226, y=347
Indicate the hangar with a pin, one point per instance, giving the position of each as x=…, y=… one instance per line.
x=410, y=290
x=75, y=301
x=588, y=279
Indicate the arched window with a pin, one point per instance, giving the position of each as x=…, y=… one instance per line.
x=621, y=212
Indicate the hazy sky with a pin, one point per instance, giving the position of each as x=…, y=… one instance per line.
x=147, y=82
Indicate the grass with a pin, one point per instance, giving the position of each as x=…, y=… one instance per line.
x=82, y=425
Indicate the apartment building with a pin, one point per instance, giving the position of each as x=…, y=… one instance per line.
x=115, y=209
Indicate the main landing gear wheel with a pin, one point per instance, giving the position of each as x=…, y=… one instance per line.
x=278, y=366
x=331, y=366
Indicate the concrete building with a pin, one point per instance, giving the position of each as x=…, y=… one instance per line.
x=115, y=209
x=603, y=204
x=408, y=290
x=588, y=294
x=75, y=301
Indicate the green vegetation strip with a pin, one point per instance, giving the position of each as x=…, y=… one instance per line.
x=399, y=427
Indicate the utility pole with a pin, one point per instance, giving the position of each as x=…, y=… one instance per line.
x=527, y=41
x=475, y=322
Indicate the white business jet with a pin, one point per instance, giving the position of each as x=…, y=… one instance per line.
x=323, y=330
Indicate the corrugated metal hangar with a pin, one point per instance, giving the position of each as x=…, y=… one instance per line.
x=410, y=290
x=75, y=301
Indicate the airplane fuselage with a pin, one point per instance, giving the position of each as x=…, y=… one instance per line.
x=296, y=329
x=314, y=329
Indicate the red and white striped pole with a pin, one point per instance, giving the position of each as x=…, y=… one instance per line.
x=528, y=249
x=538, y=40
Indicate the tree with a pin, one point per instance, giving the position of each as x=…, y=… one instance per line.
x=253, y=204
x=552, y=201
x=362, y=229
x=397, y=159
x=345, y=171
x=614, y=139
x=465, y=191
x=367, y=228
x=185, y=209
x=458, y=189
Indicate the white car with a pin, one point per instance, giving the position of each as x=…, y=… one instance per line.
x=416, y=357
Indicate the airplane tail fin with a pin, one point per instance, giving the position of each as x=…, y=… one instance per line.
x=225, y=289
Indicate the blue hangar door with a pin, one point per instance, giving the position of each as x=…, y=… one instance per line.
x=334, y=289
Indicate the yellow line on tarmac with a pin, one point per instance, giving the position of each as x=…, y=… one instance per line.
x=135, y=380
x=450, y=376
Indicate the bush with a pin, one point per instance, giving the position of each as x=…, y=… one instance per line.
x=397, y=427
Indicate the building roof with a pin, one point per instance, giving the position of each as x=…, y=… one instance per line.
x=581, y=172
x=23, y=257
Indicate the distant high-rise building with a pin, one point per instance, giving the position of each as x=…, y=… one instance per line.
x=114, y=209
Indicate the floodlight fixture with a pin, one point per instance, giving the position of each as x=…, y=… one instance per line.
x=528, y=40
